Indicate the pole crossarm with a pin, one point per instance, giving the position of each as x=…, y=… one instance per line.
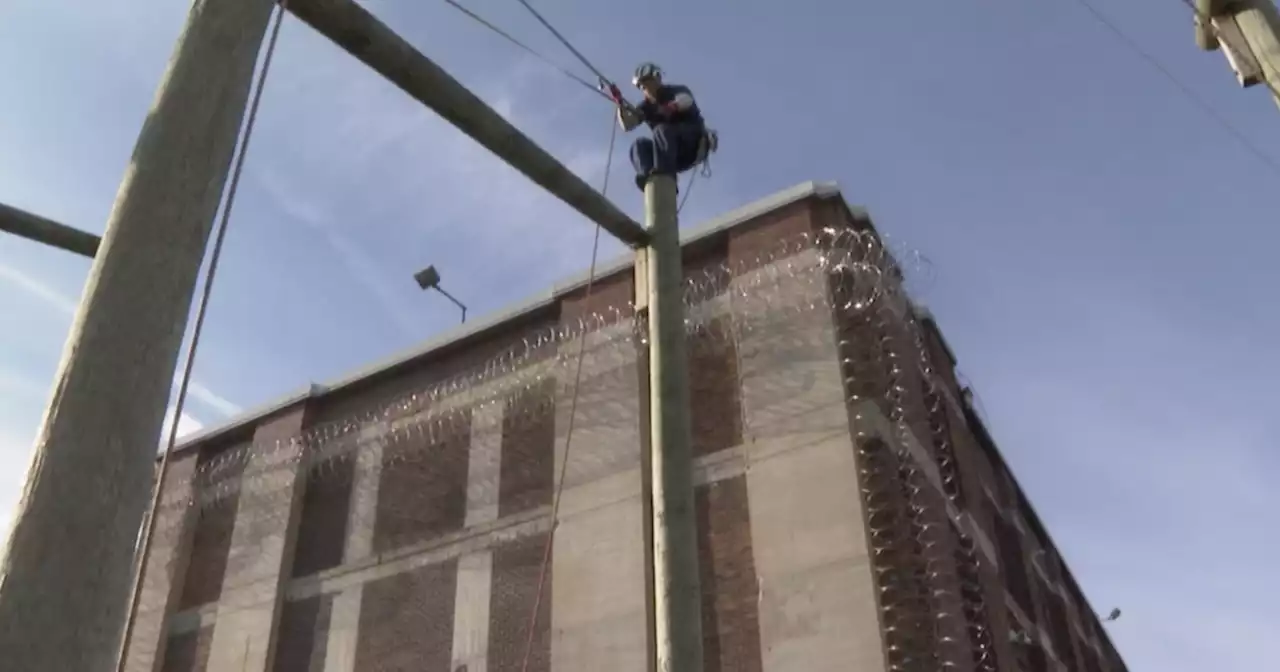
x=34, y=227
x=363, y=36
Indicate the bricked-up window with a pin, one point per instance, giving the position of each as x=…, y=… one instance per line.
x=1060, y=629
x=422, y=493
x=1093, y=656
x=406, y=620
x=714, y=388
x=528, y=449
x=188, y=651
x=940, y=424
x=514, y=589
x=730, y=591
x=1116, y=664
x=303, y=635
x=217, y=483
x=1013, y=566
x=976, y=603
x=1091, y=661
x=1037, y=659
x=322, y=525
x=1060, y=632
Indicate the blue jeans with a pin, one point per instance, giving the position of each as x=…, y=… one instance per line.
x=673, y=149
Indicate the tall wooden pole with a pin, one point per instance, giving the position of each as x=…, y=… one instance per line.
x=66, y=572
x=1248, y=33
x=677, y=597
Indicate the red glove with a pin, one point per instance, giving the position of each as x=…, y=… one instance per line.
x=670, y=108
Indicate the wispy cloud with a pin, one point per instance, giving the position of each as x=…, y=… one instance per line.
x=344, y=151
x=39, y=289
x=13, y=385
x=359, y=264
x=66, y=306
x=213, y=400
x=187, y=425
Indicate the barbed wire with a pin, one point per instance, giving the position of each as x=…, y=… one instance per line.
x=418, y=446
x=854, y=259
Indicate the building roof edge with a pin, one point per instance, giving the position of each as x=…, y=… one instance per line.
x=729, y=220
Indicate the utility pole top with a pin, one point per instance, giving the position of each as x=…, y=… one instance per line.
x=1247, y=32
x=363, y=36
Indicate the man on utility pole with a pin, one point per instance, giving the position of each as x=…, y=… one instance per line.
x=1248, y=33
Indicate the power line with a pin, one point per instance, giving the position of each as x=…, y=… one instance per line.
x=530, y=50
x=1191, y=95
x=563, y=40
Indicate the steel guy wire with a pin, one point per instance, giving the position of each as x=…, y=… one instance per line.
x=530, y=50
x=1186, y=90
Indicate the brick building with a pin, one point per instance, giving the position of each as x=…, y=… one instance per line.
x=853, y=512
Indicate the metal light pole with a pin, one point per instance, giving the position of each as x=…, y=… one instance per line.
x=429, y=278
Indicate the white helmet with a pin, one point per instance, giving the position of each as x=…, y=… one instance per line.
x=646, y=71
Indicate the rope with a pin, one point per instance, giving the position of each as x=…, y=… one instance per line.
x=568, y=438
x=202, y=308
x=565, y=42
x=704, y=171
x=507, y=36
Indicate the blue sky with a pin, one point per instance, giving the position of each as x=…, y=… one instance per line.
x=1102, y=249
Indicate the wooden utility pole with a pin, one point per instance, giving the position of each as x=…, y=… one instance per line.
x=1248, y=34
x=65, y=577
x=66, y=572
x=677, y=598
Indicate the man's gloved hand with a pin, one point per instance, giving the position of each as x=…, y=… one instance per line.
x=613, y=91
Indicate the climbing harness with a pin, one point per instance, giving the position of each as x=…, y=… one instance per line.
x=702, y=165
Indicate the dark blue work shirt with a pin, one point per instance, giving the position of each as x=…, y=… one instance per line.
x=650, y=113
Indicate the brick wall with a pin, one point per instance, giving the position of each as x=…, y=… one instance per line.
x=730, y=609
x=302, y=635
x=527, y=472
x=188, y=652
x=714, y=387
x=322, y=526
x=423, y=491
x=406, y=619
x=215, y=523
x=517, y=567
